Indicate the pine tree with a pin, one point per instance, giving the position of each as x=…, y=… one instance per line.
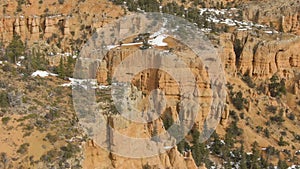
x=266, y=132
x=61, y=68
x=15, y=49
x=243, y=163
x=217, y=146
x=70, y=66
x=282, y=164
x=263, y=162
x=200, y=153
x=276, y=87
x=255, y=156
x=180, y=146
x=281, y=142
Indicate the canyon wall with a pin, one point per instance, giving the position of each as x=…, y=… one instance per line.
x=31, y=27
x=261, y=56
x=282, y=15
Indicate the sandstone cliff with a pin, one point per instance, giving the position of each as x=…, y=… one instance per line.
x=67, y=24
x=261, y=56
x=282, y=15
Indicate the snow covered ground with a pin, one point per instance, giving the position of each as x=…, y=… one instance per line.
x=222, y=16
x=158, y=40
x=41, y=73
x=84, y=83
x=18, y=63
x=294, y=167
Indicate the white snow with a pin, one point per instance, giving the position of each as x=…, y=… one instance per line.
x=160, y=32
x=206, y=29
x=168, y=147
x=18, y=63
x=269, y=32
x=84, y=83
x=158, y=40
x=214, y=20
x=217, y=16
x=74, y=82
x=67, y=54
x=222, y=141
x=294, y=167
x=249, y=153
x=132, y=44
x=242, y=29
x=109, y=47
x=216, y=11
x=42, y=74
x=229, y=22
x=66, y=84
x=22, y=57
x=103, y=87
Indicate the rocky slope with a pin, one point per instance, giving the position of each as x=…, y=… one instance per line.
x=282, y=15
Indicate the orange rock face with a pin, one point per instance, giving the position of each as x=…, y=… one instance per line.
x=261, y=58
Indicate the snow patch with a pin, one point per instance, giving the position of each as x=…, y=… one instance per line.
x=294, y=167
x=85, y=83
x=18, y=63
x=168, y=147
x=22, y=57
x=41, y=73
x=242, y=29
x=109, y=47
x=269, y=32
x=158, y=40
x=249, y=153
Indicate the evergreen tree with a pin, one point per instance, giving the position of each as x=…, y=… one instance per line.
x=4, y=102
x=217, y=146
x=70, y=66
x=266, y=132
x=281, y=142
x=276, y=87
x=15, y=49
x=238, y=101
x=243, y=162
x=263, y=162
x=61, y=68
x=282, y=164
x=180, y=146
x=255, y=156
x=229, y=141
x=199, y=151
